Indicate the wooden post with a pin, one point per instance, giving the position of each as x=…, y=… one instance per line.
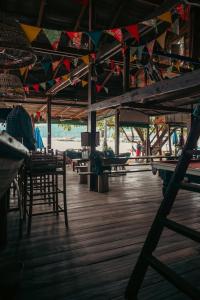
x=169, y=138
x=91, y=114
x=117, y=132
x=49, y=122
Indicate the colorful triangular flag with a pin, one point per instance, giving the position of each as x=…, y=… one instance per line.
x=36, y=87
x=166, y=17
x=26, y=89
x=95, y=37
x=116, y=33
x=75, y=37
x=133, y=30
x=98, y=88
x=55, y=64
x=46, y=66
x=53, y=37
x=43, y=85
x=65, y=77
x=31, y=31
x=23, y=70
x=50, y=82
x=67, y=64
x=106, y=89
x=161, y=40
x=84, y=83
x=85, y=59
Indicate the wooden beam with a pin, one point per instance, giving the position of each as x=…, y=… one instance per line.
x=49, y=123
x=41, y=12
x=158, y=107
x=141, y=95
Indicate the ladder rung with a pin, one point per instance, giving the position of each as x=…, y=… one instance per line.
x=190, y=187
x=182, y=284
x=184, y=230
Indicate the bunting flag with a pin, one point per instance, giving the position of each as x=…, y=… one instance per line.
x=31, y=32
x=98, y=88
x=84, y=83
x=106, y=89
x=75, y=62
x=118, y=69
x=36, y=87
x=175, y=27
x=46, y=66
x=150, y=23
x=133, y=58
x=132, y=54
x=53, y=37
x=140, y=52
x=65, y=77
x=26, y=89
x=95, y=37
x=75, y=37
x=58, y=79
x=166, y=17
x=161, y=40
x=85, y=59
x=23, y=70
x=43, y=85
x=183, y=11
x=112, y=64
x=150, y=47
x=134, y=31
x=116, y=33
x=67, y=64
x=55, y=64
x=50, y=82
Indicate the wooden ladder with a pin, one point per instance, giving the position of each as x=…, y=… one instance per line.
x=161, y=221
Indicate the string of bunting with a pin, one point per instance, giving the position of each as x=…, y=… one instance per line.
x=54, y=36
x=136, y=52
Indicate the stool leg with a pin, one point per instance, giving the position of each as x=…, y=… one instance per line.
x=56, y=188
x=65, y=196
x=30, y=207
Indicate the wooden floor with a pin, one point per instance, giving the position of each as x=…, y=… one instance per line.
x=94, y=258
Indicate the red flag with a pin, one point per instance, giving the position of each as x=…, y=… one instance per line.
x=26, y=89
x=71, y=34
x=133, y=30
x=36, y=87
x=67, y=64
x=112, y=64
x=83, y=2
x=98, y=88
x=116, y=33
x=58, y=79
x=93, y=56
x=183, y=11
x=38, y=114
x=118, y=69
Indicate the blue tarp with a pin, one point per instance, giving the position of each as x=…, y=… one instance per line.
x=38, y=138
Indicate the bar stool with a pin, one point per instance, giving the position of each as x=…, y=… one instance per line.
x=41, y=186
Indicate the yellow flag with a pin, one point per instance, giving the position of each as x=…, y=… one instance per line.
x=31, y=31
x=85, y=59
x=65, y=77
x=133, y=58
x=23, y=70
x=84, y=83
x=166, y=17
x=161, y=40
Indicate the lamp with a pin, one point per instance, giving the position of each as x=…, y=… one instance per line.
x=15, y=50
x=11, y=87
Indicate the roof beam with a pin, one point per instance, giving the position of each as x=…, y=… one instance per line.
x=141, y=95
x=158, y=107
